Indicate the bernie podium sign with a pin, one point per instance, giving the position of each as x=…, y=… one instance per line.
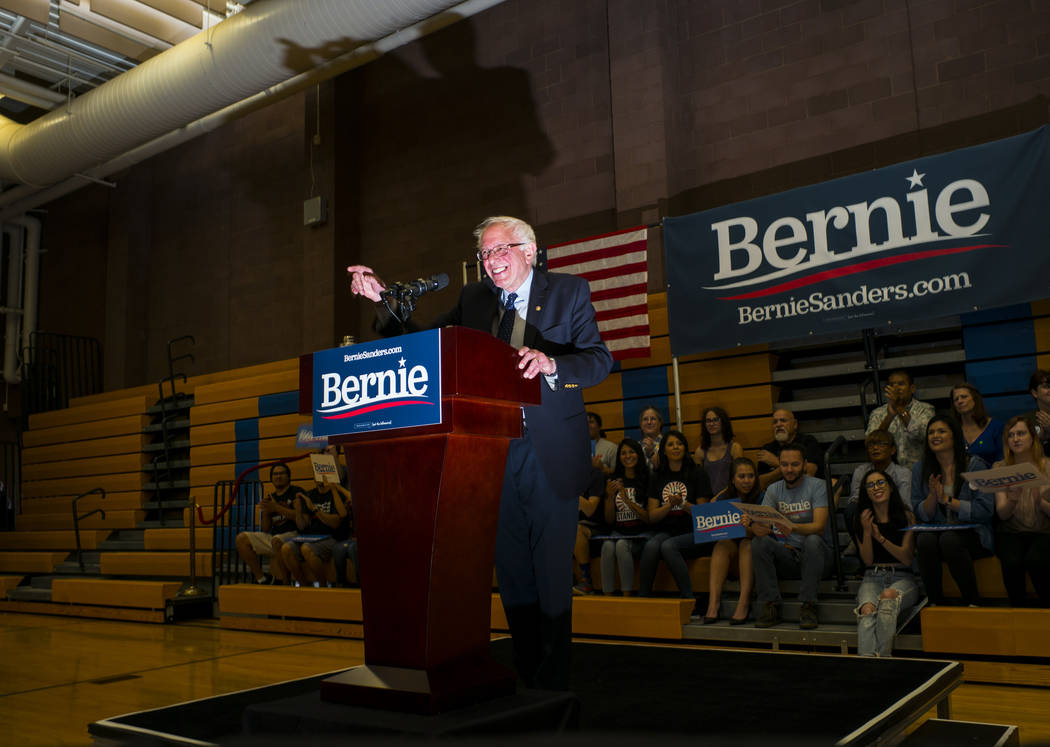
x=377, y=386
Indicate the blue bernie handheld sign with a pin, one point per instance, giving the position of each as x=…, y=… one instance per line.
x=716, y=521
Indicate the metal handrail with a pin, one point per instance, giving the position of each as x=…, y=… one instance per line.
x=77, y=518
x=836, y=445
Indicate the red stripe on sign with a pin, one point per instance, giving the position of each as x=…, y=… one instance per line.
x=373, y=408
x=594, y=255
x=621, y=292
x=872, y=264
x=599, y=236
x=620, y=312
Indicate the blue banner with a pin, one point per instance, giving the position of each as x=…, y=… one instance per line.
x=393, y=383
x=716, y=521
x=932, y=237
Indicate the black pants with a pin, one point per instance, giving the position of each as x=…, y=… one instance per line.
x=1021, y=553
x=957, y=548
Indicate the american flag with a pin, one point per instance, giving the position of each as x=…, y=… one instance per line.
x=616, y=267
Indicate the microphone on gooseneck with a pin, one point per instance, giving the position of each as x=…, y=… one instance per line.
x=406, y=294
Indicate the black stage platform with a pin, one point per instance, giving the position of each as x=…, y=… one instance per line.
x=623, y=693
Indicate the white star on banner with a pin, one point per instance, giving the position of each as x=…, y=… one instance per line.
x=915, y=180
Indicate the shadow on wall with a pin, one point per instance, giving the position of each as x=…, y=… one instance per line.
x=440, y=149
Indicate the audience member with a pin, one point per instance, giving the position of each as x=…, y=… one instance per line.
x=276, y=520
x=940, y=495
x=626, y=515
x=805, y=552
x=676, y=485
x=320, y=515
x=785, y=431
x=982, y=434
x=743, y=488
x=652, y=424
x=881, y=450
x=603, y=451
x=717, y=448
x=1039, y=388
x=889, y=588
x=589, y=522
x=1022, y=539
x=903, y=416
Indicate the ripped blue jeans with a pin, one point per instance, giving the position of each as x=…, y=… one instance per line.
x=876, y=630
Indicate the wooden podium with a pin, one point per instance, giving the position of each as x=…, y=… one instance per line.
x=426, y=504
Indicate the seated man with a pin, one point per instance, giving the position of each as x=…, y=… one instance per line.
x=785, y=431
x=904, y=417
x=588, y=525
x=276, y=519
x=318, y=514
x=804, y=552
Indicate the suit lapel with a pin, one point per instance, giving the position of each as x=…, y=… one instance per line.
x=537, y=302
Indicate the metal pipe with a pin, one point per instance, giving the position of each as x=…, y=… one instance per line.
x=17, y=200
x=32, y=276
x=13, y=318
x=677, y=395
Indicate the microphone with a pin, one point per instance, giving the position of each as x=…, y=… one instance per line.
x=406, y=294
x=427, y=285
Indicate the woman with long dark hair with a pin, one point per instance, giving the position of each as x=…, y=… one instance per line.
x=717, y=448
x=889, y=588
x=625, y=513
x=982, y=434
x=941, y=496
x=677, y=484
x=743, y=487
x=1022, y=539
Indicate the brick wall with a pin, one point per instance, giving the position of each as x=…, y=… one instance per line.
x=580, y=116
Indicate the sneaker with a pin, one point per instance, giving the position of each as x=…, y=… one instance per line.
x=266, y=579
x=807, y=616
x=583, y=588
x=770, y=616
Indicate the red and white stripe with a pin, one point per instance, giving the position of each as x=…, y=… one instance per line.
x=616, y=267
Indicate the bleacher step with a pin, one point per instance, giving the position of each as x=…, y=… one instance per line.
x=832, y=635
x=180, y=424
x=167, y=485
x=173, y=464
x=860, y=367
x=29, y=594
x=118, y=545
x=182, y=443
x=72, y=567
x=158, y=524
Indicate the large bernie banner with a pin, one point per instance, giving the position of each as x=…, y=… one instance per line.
x=926, y=238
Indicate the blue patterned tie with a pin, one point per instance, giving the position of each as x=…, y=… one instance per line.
x=506, y=322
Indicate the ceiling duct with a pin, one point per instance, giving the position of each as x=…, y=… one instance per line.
x=267, y=43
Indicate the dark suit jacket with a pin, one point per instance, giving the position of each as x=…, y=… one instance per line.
x=560, y=322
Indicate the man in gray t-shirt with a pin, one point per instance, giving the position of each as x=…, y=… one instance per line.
x=802, y=551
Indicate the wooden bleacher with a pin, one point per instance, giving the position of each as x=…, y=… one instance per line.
x=247, y=416
x=102, y=440
x=337, y=613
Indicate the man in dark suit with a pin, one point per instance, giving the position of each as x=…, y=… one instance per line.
x=549, y=318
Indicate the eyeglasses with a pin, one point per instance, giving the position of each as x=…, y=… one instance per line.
x=712, y=420
x=497, y=251
x=875, y=484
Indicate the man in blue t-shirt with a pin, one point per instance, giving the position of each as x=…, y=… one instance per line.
x=802, y=549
